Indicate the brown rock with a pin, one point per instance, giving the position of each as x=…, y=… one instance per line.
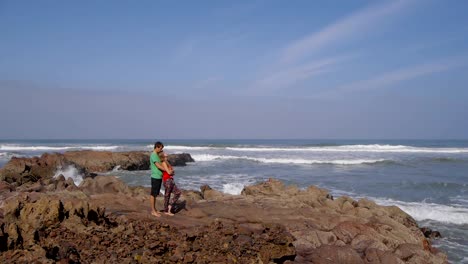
x=104, y=220
x=104, y=184
x=428, y=233
x=23, y=170
x=5, y=187
x=179, y=159
x=102, y=161
x=210, y=194
x=335, y=254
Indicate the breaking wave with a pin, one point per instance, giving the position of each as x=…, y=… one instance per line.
x=357, y=148
x=187, y=148
x=70, y=172
x=5, y=155
x=344, y=148
x=233, y=188
x=208, y=157
x=9, y=155
x=430, y=211
x=45, y=148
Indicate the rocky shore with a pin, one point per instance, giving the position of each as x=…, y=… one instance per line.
x=45, y=219
x=88, y=163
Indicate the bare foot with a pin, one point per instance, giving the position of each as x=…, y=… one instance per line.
x=156, y=214
x=169, y=213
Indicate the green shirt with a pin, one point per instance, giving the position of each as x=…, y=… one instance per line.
x=155, y=172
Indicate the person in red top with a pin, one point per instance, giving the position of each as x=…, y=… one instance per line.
x=169, y=185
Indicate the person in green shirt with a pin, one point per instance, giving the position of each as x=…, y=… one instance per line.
x=156, y=176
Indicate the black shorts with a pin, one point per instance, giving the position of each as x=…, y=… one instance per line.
x=155, y=186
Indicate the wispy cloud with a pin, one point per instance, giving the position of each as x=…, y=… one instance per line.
x=400, y=75
x=203, y=43
x=292, y=75
x=356, y=23
x=295, y=61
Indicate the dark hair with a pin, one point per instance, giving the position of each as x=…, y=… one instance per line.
x=158, y=144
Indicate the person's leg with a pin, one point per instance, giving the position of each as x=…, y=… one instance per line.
x=177, y=192
x=170, y=188
x=167, y=195
x=155, y=189
x=153, y=206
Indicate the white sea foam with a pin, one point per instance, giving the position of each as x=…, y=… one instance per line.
x=454, y=245
x=430, y=211
x=231, y=183
x=99, y=147
x=8, y=155
x=335, y=162
x=70, y=172
x=209, y=157
x=45, y=148
x=116, y=168
x=233, y=188
x=355, y=148
x=187, y=148
x=460, y=200
x=177, y=147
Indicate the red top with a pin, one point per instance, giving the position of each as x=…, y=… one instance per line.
x=167, y=176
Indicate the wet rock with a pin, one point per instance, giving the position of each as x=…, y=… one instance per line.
x=22, y=170
x=179, y=159
x=86, y=163
x=429, y=233
x=102, y=161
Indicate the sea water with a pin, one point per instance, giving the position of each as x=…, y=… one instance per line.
x=428, y=179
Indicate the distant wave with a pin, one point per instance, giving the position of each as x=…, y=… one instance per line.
x=8, y=155
x=358, y=148
x=208, y=157
x=430, y=211
x=45, y=148
x=460, y=200
x=343, y=148
x=187, y=148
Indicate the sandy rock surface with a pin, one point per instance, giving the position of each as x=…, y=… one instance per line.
x=103, y=220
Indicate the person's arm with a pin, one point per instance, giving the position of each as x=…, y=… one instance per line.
x=166, y=167
x=160, y=166
x=171, y=170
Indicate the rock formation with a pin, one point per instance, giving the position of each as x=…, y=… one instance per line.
x=23, y=170
x=105, y=221
x=72, y=226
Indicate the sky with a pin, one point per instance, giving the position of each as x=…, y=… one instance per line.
x=233, y=69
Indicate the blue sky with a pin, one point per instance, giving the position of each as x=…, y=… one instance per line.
x=233, y=69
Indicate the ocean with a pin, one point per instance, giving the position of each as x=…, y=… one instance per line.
x=428, y=179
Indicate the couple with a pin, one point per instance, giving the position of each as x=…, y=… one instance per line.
x=161, y=171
